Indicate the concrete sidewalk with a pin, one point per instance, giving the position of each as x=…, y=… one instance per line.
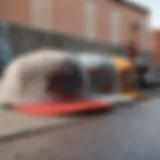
x=14, y=124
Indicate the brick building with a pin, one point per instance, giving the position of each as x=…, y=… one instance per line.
x=155, y=45
x=113, y=22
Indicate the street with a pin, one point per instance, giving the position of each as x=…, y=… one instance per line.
x=129, y=132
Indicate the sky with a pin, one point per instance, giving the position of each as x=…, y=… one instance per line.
x=154, y=7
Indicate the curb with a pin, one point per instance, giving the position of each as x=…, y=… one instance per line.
x=117, y=100
x=122, y=101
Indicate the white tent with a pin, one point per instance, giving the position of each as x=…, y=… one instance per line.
x=24, y=79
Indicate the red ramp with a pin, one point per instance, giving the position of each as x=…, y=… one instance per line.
x=61, y=108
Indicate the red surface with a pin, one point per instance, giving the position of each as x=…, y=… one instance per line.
x=62, y=107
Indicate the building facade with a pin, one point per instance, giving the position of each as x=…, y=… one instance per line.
x=113, y=22
x=155, y=45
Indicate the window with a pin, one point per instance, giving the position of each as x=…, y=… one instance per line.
x=90, y=14
x=41, y=13
x=115, y=27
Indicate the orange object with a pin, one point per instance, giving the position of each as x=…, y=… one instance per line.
x=61, y=108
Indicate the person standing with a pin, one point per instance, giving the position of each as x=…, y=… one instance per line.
x=132, y=52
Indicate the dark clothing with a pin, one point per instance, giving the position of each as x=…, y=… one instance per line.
x=132, y=51
x=141, y=72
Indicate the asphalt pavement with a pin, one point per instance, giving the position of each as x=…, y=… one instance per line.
x=127, y=133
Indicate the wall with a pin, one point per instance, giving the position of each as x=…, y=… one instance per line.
x=155, y=44
x=15, y=11
x=68, y=17
x=129, y=18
